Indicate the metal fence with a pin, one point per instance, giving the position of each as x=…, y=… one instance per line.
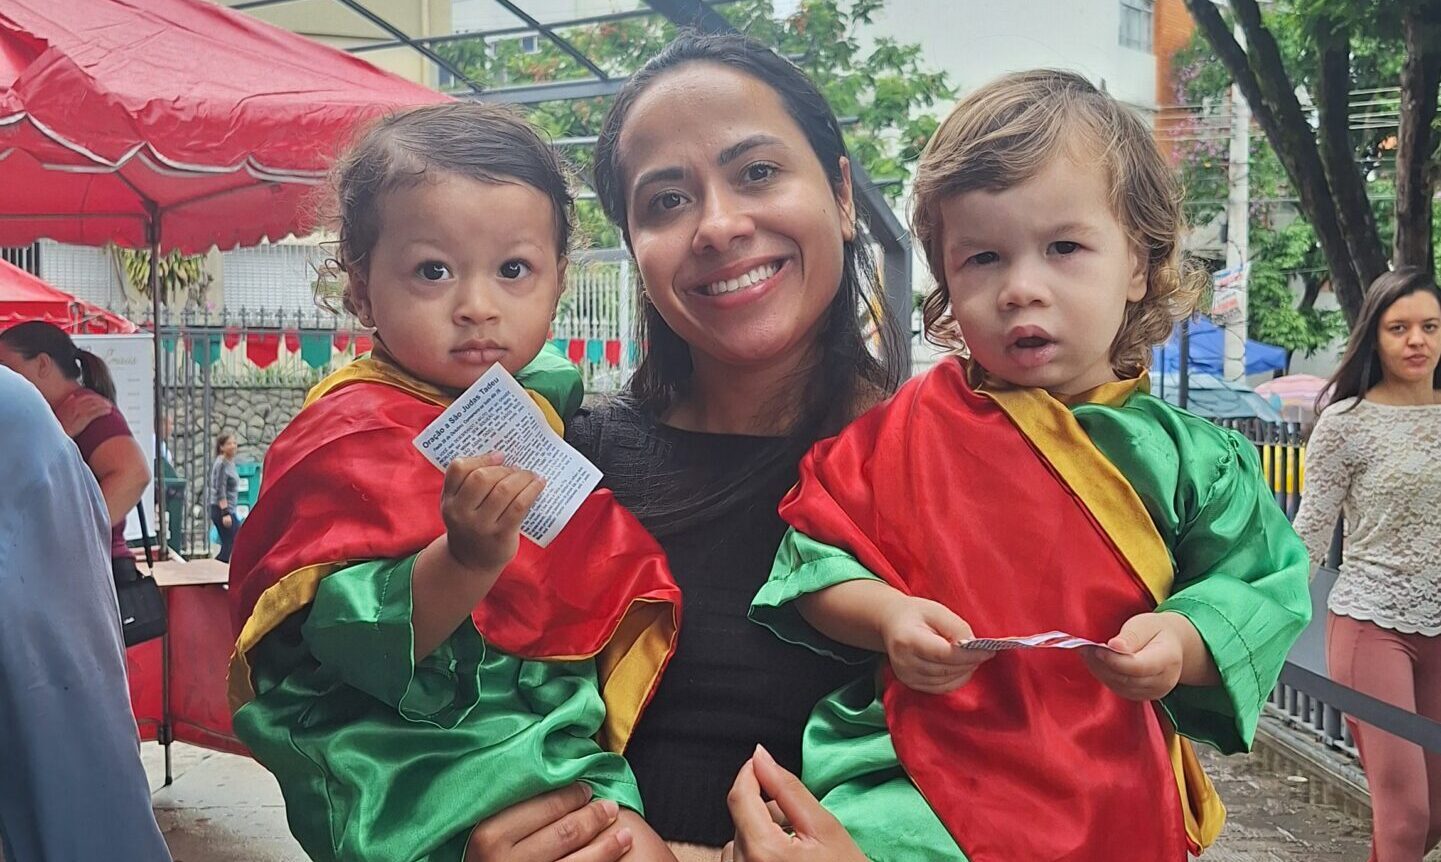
x=243, y=347
x=595, y=320
x=1282, y=449
x=211, y=361
x=26, y=257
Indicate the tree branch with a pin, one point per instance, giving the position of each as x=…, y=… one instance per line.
x=1262, y=77
x=1312, y=292
x=1338, y=156
x=1415, y=182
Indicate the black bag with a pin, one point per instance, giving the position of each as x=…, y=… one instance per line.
x=142, y=609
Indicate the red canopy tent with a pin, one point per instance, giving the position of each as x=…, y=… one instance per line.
x=124, y=119
x=172, y=124
x=25, y=297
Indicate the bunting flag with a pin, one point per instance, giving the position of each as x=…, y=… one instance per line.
x=204, y=348
x=315, y=349
x=262, y=348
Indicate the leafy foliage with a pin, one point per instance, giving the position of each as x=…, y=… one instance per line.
x=881, y=92
x=1283, y=243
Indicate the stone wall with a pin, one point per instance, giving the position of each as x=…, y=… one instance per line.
x=255, y=415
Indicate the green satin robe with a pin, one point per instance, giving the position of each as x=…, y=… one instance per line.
x=1241, y=579
x=384, y=758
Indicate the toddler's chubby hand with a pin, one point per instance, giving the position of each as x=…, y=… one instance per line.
x=1152, y=653
x=921, y=638
x=483, y=503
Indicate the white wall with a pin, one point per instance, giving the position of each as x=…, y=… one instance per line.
x=1325, y=361
x=972, y=40
x=272, y=277
x=976, y=40
x=471, y=15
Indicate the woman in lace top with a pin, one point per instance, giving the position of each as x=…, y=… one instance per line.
x=1374, y=458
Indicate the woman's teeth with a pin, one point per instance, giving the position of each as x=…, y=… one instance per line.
x=731, y=285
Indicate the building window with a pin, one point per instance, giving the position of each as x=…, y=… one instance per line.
x=1136, y=24
x=530, y=44
x=26, y=257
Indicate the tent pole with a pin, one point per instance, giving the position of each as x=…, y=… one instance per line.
x=1185, y=365
x=152, y=230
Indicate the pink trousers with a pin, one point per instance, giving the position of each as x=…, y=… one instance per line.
x=1405, y=780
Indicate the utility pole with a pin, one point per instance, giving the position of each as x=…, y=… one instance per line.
x=1238, y=217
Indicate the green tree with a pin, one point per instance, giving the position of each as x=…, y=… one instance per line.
x=1283, y=243
x=882, y=93
x=1306, y=48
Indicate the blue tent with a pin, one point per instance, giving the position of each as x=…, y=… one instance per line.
x=1208, y=354
x=1213, y=398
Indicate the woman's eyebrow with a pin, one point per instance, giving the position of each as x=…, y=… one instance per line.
x=734, y=151
x=657, y=175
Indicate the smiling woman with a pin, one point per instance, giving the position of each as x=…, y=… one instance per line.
x=727, y=173
x=728, y=176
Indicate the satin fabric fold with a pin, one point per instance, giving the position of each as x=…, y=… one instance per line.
x=993, y=532
x=400, y=764
x=343, y=483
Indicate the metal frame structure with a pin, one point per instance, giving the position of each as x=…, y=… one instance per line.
x=701, y=15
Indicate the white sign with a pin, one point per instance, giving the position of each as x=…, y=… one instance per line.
x=1226, y=305
x=131, y=359
x=1045, y=640
x=496, y=415
x=1232, y=278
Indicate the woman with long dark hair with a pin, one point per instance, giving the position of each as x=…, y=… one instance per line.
x=77, y=385
x=729, y=178
x=1373, y=460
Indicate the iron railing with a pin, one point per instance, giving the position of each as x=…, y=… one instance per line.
x=1282, y=448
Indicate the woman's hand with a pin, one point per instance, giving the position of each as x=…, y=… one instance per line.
x=226, y=520
x=564, y=825
x=814, y=833
x=80, y=409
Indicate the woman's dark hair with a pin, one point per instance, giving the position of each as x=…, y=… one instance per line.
x=1360, y=367
x=847, y=375
x=32, y=338
x=487, y=143
x=221, y=440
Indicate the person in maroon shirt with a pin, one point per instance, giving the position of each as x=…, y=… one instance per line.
x=76, y=383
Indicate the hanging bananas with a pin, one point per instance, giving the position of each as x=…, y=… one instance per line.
x=181, y=276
